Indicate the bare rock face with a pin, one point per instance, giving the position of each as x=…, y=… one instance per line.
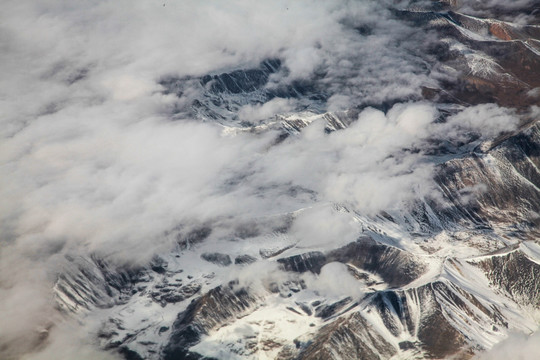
x=437, y=336
x=217, y=258
x=395, y=266
x=215, y=308
x=516, y=274
x=90, y=282
x=221, y=95
x=173, y=293
x=421, y=315
x=244, y=260
x=510, y=177
x=312, y=261
x=348, y=338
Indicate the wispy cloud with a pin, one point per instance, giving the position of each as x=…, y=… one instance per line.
x=516, y=346
x=91, y=161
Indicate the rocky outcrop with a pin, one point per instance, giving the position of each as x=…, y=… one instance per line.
x=516, y=274
x=348, y=338
x=90, y=282
x=217, y=258
x=220, y=96
x=395, y=266
x=508, y=173
x=215, y=308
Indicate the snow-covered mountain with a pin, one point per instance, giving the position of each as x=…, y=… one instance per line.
x=435, y=281
x=384, y=206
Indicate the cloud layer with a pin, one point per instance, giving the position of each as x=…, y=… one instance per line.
x=92, y=162
x=516, y=346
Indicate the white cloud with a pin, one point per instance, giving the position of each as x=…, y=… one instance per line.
x=70, y=341
x=91, y=161
x=516, y=346
x=257, y=113
x=365, y=165
x=486, y=120
x=323, y=226
x=335, y=280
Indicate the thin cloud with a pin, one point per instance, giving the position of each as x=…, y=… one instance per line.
x=92, y=162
